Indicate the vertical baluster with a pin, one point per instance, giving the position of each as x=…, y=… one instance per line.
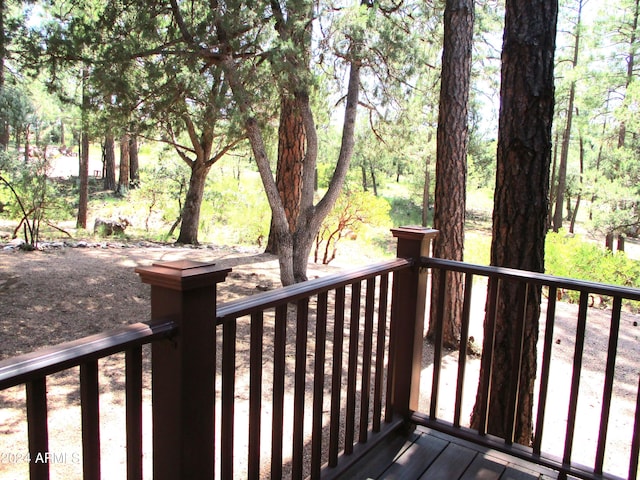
x=89, y=402
x=279, y=373
x=336, y=376
x=133, y=386
x=635, y=442
x=488, y=345
x=607, y=392
x=354, y=332
x=318, y=385
x=545, y=370
x=300, y=375
x=255, y=394
x=228, y=401
x=37, y=425
x=380, y=344
x=575, y=381
x=462, y=354
x=389, y=410
x=367, y=349
x=437, y=345
x=516, y=360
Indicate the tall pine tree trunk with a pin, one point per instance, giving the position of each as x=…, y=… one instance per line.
x=451, y=161
x=109, y=159
x=134, y=162
x=631, y=60
x=520, y=207
x=294, y=249
x=123, y=177
x=4, y=121
x=83, y=202
x=426, y=191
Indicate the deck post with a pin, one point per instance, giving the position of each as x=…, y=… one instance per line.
x=407, y=319
x=183, y=372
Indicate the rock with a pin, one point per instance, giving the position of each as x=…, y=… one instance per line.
x=16, y=243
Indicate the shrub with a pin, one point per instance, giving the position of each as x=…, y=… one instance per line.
x=351, y=212
x=570, y=256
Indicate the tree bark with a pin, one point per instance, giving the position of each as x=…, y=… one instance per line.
x=374, y=181
x=552, y=181
x=451, y=161
x=123, y=177
x=291, y=155
x=193, y=202
x=574, y=217
x=134, y=162
x=83, y=201
x=426, y=192
x=109, y=158
x=4, y=121
x=521, y=203
x=631, y=59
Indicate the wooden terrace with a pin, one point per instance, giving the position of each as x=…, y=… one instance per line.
x=323, y=380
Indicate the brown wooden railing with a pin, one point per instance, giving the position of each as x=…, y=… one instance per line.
x=327, y=350
x=33, y=369
x=302, y=380
x=562, y=460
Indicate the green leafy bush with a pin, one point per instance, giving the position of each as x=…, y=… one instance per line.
x=570, y=256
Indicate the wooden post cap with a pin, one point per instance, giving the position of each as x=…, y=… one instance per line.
x=413, y=231
x=182, y=274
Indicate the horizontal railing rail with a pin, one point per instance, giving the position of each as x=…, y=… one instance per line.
x=533, y=278
x=47, y=361
x=563, y=460
x=295, y=292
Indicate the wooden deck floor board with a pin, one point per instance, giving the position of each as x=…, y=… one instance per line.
x=484, y=467
x=416, y=459
x=426, y=454
x=450, y=464
x=381, y=457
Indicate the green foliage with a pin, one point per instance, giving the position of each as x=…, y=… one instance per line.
x=235, y=210
x=162, y=189
x=352, y=212
x=29, y=196
x=477, y=248
x=481, y=163
x=404, y=211
x=570, y=256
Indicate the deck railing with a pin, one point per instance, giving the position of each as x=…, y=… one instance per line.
x=300, y=381
x=294, y=382
x=565, y=411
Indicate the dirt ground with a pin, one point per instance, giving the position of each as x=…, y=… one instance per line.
x=48, y=297
x=60, y=294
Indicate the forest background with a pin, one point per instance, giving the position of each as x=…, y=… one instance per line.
x=148, y=129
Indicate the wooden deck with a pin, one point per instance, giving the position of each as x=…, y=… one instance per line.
x=432, y=455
